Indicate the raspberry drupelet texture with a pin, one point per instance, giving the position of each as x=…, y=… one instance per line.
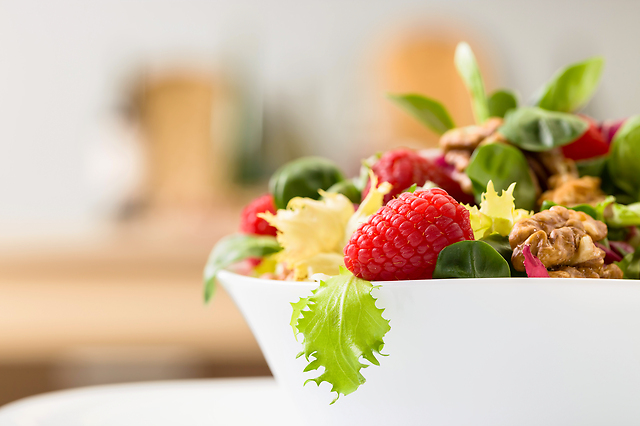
x=405, y=167
x=402, y=240
x=250, y=223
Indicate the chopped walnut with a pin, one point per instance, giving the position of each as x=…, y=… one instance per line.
x=608, y=271
x=573, y=191
x=560, y=237
x=458, y=158
x=468, y=138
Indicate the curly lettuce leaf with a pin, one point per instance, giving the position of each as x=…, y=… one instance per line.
x=341, y=325
x=497, y=213
x=371, y=204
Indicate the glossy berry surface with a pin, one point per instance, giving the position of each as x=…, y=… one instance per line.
x=405, y=167
x=403, y=239
x=250, y=223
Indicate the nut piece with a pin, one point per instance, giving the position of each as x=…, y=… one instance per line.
x=608, y=271
x=573, y=191
x=560, y=237
x=468, y=138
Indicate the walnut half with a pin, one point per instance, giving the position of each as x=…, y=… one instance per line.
x=563, y=240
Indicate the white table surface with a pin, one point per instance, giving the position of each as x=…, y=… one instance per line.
x=232, y=402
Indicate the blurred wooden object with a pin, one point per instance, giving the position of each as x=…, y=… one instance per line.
x=420, y=60
x=188, y=162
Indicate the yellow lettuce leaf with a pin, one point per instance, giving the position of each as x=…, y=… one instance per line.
x=497, y=213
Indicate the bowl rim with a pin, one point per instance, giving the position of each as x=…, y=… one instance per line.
x=449, y=281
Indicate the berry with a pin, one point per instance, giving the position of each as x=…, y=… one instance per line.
x=404, y=167
x=402, y=240
x=250, y=223
x=591, y=144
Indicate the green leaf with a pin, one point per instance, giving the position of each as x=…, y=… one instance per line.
x=622, y=163
x=592, y=167
x=297, y=310
x=303, y=177
x=428, y=111
x=232, y=249
x=585, y=208
x=619, y=215
x=630, y=265
x=340, y=326
x=470, y=259
x=534, y=129
x=468, y=69
x=502, y=101
x=348, y=189
x=571, y=87
x=502, y=164
x=501, y=245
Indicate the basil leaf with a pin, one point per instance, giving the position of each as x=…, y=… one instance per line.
x=341, y=325
x=468, y=69
x=534, y=129
x=571, y=87
x=303, y=178
x=428, y=111
x=470, y=259
x=502, y=164
x=502, y=101
x=622, y=163
x=348, y=189
x=501, y=245
x=232, y=249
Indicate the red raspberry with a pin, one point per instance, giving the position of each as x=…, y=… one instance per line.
x=250, y=223
x=404, y=167
x=402, y=240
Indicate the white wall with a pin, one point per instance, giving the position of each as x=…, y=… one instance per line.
x=61, y=64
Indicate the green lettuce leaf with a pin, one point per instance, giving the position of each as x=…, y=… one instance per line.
x=622, y=163
x=534, y=129
x=465, y=62
x=232, y=249
x=428, y=111
x=297, y=310
x=470, y=259
x=571, y=87
x=630, y=265
x=341, y=324
x=502, y=101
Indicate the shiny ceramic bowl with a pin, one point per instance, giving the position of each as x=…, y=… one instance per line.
x=471, y=352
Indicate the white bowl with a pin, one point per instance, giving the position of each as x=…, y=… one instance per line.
x=471, y=352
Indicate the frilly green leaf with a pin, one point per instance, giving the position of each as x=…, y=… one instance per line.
x=341, y=324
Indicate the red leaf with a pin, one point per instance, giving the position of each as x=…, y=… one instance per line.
x=534, y=267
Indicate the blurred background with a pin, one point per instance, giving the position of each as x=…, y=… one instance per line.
x=132, y=132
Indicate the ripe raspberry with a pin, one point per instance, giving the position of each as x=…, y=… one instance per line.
x=404, y=167
x=403, y=239
x=250, y=223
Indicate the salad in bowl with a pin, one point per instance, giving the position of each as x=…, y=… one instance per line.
x=466, y=265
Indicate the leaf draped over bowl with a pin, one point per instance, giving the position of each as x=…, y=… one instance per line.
x=501, y=102
x=470, y=259
x=341, y=325
x=502, y=164
x=428, y=111
x=465, y=62
x=232, y=249
x=571, y=87
x=622, y=163
x=534, y=129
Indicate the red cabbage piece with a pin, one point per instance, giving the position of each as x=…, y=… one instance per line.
x=621, y=247
x=610, y=255
x=609, y=128
x=534, y=267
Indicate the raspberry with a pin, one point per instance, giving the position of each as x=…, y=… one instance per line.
x=402, y=240
x=250, y=223
x=404, y=167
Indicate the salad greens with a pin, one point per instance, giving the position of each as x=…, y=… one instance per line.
x=303, y=178
x=429, y=111
x=534, y=129
x=233, y=249
x=502, y=164
x=501, y=102
x=622, y=162
x=571, y=87
x=465, y=62
x=470, y=259
x=341, y=325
